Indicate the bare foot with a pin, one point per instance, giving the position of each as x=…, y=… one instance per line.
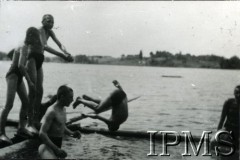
x=4, y=138
x=77, y=102
x=116, y=83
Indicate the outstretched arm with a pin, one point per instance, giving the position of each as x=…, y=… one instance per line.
x=59, y=54
x=55, y=39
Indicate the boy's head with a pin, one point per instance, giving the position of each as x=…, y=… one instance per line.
x=65, y=95
x=32, y=36
x=48, y=21
x=237, y=92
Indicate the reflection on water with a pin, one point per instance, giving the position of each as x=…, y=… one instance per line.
x=193, y=102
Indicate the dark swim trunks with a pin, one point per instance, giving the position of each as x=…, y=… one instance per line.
x=15, y=70
x=57, y=141
x=117, y=97
x=39, y=58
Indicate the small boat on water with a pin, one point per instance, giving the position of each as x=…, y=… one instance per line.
x=171, y=76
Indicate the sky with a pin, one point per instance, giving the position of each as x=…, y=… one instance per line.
x=113, y=28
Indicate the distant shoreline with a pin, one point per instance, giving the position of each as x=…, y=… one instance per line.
x=159, y=59
x=132, y=65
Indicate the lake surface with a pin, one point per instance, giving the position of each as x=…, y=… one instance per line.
x=192, y=102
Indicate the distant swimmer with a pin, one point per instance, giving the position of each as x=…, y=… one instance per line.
x=117, y=101
x=36, y=59
x=230, y=115
x=15, y=84
x=53, y=126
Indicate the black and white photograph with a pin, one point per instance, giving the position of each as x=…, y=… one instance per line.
x=120, y=80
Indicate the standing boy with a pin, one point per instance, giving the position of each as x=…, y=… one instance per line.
x=35, y=62
x=15, y=84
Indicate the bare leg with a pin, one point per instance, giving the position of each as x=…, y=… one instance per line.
x=31, y=69
x=39, y=94
x=95, y=116
x=11, y=92
x=22, y=92
x=89, y=98
x=89, y=104
x=104, y=105
x=98, y=108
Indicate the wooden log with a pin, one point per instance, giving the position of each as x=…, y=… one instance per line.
x=124, y=133
x=134, y=134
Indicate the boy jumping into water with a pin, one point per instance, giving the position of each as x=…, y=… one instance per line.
x=117, y=100
x=35, y=61
x=15, y=84
x=53, y=126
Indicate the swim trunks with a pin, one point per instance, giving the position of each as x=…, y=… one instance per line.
x=39, y=58
x=57, y=141
x=117, y=97
x=15, y=70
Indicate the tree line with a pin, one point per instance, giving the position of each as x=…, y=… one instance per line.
x=186, y=60
x=159, y=58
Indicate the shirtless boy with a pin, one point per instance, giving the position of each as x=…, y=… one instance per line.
x=230, y=115
x=117, y=100
x=35, y=61
x=53, y=126
x=15, y=84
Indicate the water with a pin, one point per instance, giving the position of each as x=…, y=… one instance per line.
x=193, y=102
